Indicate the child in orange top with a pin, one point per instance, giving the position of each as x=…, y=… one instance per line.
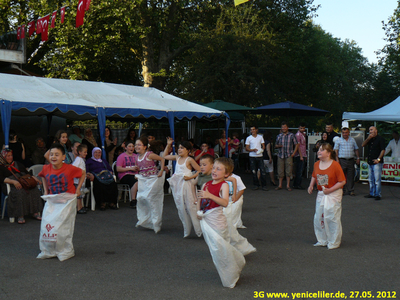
x=215, y=195
x=330, y=179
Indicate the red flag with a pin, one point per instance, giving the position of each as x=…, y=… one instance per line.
x=18, y=32
x=53, y=19
x=62, y=14
x=87, y=5
x=80, y=13
x=39, y=25
x=22, y=31
x=45, y=28
x=31, y=28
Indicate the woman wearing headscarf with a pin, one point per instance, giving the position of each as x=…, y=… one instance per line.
x=104, y=193
x=20, y=202
x=89, y=140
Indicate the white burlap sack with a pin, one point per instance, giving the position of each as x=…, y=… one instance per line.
x=227, y=259
x=327, y=224
x=185, y=198
x=236, y=240
x=237, y=213
x=57, y=227
x=150, y=201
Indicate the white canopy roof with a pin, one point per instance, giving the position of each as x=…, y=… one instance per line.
x=387, y=113
x=76, y=99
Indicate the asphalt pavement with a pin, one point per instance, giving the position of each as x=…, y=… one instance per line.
x=115, y=260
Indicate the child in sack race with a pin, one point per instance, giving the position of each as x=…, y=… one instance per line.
x=182, y=186
x=58, y=219
x=330, y=179
x=215, y=195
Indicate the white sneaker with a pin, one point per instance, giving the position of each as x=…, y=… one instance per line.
x=331, y=248
x=318, y=244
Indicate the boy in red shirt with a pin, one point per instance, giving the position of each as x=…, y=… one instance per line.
x=58, y=177
x=215, y=195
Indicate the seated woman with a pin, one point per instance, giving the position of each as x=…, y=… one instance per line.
x=89, y=140
x=127, y=169
x=110, y=146
x=103, y=192
x=20, y=202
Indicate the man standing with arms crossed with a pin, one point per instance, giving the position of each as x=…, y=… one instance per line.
x=255, y=146
x=285, y=142
x=376, y=152
x=345, y=149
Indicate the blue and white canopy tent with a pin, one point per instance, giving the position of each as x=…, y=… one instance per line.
x=84, y=100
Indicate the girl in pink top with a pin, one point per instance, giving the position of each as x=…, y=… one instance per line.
x=127, y=169
x=146, y=159
x=150, y=196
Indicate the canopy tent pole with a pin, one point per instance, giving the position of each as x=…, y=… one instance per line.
x=171, y=118
x=227, y=123
x=140, y=129
x=6, y=108
x=101, y=120
x=191, y=129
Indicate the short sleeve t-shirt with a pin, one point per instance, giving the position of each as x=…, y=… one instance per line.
x=60, y=180
x=126, y=161
x=328, y=177
x=79, y=162
x=255, y=143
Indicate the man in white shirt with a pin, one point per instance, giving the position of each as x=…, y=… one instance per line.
x=255, y=146
x=394, y=145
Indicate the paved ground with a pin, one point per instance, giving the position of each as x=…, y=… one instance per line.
x=115, y=260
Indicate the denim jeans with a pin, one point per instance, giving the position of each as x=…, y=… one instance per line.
x=255, y=164
x=375, y=172
x=299, y=170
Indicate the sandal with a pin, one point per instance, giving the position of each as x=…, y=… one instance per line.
x=289, y=189
x=278, y=188
x=113, y=206
x=103, y=207
x=21, y=220
x=37, y=216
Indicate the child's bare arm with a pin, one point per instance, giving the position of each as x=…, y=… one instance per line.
x=80, y=183
x=154, y=156
x=239, y=194
x=195, y=166
x=45, y=189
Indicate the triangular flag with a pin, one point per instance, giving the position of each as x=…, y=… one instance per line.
x=87, y=5
x=80, y=13
x=22, y=31
x=45, y=28
x=31, y=28
x=18, y=32
x=62, y=14
x=237, y=2
x=53, y=19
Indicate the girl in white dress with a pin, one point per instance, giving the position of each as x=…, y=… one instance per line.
x=182, y=187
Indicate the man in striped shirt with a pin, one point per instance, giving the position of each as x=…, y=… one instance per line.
x=287, y=144
x=346, y=149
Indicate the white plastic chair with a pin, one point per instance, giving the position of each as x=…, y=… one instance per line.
x=93, y=201
x=36, y=169
x=122, y=188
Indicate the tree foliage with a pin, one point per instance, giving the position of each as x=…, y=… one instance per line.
x=258, y=53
